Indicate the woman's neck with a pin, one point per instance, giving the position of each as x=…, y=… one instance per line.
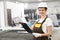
x=43, y=16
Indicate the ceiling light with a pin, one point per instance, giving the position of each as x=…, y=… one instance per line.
x=39, y=0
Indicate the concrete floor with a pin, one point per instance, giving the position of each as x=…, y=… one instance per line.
x=10, y=35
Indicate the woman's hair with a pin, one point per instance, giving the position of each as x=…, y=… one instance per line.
x=43, y=7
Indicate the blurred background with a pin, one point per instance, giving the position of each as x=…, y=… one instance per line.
x=14, y=11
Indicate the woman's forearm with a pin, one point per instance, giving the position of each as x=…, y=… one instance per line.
x=46, y=34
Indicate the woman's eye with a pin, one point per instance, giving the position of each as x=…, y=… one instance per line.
x=39, y=10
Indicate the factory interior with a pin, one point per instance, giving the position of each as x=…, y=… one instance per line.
x=14, y=11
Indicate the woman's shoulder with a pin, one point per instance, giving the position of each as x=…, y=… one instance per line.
x=49, y=19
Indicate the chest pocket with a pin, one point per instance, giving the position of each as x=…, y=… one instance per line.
x=38, y=25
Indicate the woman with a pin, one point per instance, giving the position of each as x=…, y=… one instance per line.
x=43, y=32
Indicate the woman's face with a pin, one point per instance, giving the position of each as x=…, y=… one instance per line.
x=42, y=11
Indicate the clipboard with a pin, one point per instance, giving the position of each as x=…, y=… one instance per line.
x=26, y=27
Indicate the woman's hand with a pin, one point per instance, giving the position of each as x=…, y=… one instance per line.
x=37, y=34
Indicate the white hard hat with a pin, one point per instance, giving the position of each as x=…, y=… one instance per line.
x=42, y=4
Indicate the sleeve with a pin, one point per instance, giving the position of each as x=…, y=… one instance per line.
x=49, y=22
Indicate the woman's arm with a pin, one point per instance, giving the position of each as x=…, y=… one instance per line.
x=48, y=31
x=32, y=26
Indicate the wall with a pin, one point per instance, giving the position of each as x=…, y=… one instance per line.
x=2, y=21
x=54, y=7
x=17, y=10
x=32, y=5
